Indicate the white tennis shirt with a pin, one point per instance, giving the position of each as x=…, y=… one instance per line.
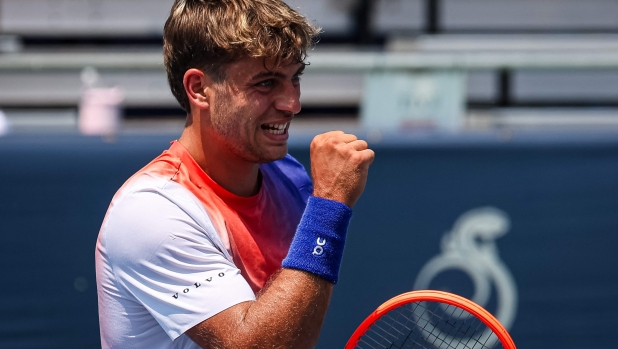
x=175, y=248
x=170, y=274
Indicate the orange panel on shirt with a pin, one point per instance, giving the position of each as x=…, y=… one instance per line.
x=257, y=230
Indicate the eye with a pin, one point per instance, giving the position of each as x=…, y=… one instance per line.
x=297, y=77
x=266, y=83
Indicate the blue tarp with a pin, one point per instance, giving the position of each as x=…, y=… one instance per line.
x=548, y=262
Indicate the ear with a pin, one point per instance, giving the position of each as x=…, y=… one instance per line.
x=198, y=88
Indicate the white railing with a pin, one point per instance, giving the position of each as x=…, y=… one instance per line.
x=332, y=61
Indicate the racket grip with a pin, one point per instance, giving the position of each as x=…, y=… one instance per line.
x=319, y=241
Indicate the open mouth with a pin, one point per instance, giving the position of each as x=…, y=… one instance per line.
x=276, y=129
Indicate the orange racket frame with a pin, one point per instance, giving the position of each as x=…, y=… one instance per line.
x=434, y=296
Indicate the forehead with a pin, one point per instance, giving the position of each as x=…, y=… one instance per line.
x=249, y=67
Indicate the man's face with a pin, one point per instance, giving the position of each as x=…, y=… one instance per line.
x=253, y=108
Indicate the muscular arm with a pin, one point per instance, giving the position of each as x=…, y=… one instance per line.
x=290, y=311
x=288, y=314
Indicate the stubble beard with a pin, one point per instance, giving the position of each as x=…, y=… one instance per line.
x=227, y=125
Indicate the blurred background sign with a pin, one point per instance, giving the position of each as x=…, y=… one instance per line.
x=406, y=100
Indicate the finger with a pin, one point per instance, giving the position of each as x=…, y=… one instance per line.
x=348, y=138
x=358, y=144
x=324, y=137
x=332, y=134
x=368, y=156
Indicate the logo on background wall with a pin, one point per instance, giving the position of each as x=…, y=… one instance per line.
x=470, y=247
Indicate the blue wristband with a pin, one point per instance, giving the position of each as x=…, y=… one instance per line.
x=318, y=244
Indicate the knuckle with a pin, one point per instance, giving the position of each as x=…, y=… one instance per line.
x=352, y=137
x=335, y=143
x=318, y=139
x=356, y=157
x=313, y=146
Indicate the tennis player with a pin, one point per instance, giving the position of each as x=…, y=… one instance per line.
x=223, y=241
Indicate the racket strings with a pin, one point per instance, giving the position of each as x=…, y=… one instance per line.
x=428, y=325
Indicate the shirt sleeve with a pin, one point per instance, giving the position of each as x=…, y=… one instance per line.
x=166, y=255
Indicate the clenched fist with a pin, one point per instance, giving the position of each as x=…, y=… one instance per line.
x=339, y=166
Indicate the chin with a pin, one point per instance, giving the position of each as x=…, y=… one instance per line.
x=272, y=155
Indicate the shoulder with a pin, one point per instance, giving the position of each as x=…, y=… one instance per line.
x=150, y=211
x=160, y=252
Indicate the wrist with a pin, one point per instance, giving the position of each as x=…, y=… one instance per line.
x=319, y=241
x=333, y=196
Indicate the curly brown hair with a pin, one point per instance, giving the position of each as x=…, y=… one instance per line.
x=209, y=34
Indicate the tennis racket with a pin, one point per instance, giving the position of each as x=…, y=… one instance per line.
x=432, y=320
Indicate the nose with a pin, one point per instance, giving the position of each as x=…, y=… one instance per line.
x=288, y=100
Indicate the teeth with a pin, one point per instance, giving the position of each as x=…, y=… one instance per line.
x=276, y=129
x=277, y=126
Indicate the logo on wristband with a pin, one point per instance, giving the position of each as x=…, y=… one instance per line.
x=319, y=250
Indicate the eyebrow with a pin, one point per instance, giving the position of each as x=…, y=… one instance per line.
x=270, y=74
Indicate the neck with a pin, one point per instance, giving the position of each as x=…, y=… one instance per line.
x=231, y=172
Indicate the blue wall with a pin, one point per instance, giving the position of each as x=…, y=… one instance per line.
x=559, y=193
